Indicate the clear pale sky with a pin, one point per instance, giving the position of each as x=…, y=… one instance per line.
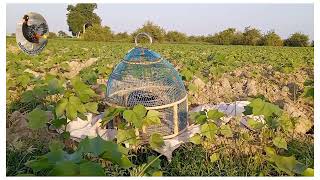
x=192, y=19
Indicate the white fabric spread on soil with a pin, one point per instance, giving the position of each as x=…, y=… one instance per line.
x=79, y=129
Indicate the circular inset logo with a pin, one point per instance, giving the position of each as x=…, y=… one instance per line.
x=31, y=33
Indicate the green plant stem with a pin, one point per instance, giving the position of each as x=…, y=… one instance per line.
x=146, y=167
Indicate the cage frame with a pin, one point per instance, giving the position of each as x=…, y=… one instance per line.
x=173, y=105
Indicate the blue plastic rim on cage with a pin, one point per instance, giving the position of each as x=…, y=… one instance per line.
x=144, y=77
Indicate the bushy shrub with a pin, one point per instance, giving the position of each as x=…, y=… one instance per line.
x=251, y=36
x=52, y=35
x=62, y=34
x=271, y=39
x=175, y=36
x=97, y=33
x=298, y=40
x=156, y=32
x=122, y=37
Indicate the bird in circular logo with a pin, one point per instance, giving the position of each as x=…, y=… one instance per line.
x=31, y=33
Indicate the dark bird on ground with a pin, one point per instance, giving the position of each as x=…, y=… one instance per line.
x=34, y=32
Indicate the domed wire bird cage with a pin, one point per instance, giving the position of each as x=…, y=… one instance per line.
x=144, y=77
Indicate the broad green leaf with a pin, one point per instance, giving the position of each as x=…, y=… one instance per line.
x=188, y=75
x=157, y=173
x=255, y=124
x=286, y=123
x=194, y=115
x=140, y=110
x=23, y=80
x=308, y=172
x=74, y=100
x=48, y=77
x=55, y=86
x=271, y=153
x=247, y=110
x=299, y=168
x=198, y=117
x=125, y=162
x=56, y=155
x=39, y=164
x=83, y=91
x=226, y=130
x=40, y=92
x=123, y=150
x=214, y=157
x=156, y=141
x=280, y=142
x=214, y=114
x=82, y=116
x=152, y=118
x=61, y=107
x=90, y=78
x=89, y=168
x=209, y=130
x=110, y=113
x=286, y=164
x=127, y=136
x=261, y=107
x=131, y=116
x=71, y=111
x=55, y=145
x=27, y=96
x=95, y=145
x=65, y=168
x=196, y=139
x=77, y=103
x=201, y=119
x=92, y=107
x=308, y=91
x=99, y=147
x=113, y=154
x=37, y=118
x=57, y=123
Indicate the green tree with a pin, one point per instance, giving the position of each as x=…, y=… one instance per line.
x=156, y=32
x=122, y=36
x=175, y=36
x=52, y=35
x=81, y=14
x=224, y=37
x=97, y=33
x=237, y=38
x=298, y=40
x=271, y=39
x=251, y=36
x=62, y=34
x=197, y=38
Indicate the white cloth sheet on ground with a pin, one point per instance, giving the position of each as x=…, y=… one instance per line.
x=79, y=128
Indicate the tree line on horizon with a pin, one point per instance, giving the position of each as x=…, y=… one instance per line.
x=83, y=22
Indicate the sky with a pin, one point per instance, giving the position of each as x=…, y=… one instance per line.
x=192, y=19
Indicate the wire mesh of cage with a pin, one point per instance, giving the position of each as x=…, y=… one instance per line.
x=144, y=77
